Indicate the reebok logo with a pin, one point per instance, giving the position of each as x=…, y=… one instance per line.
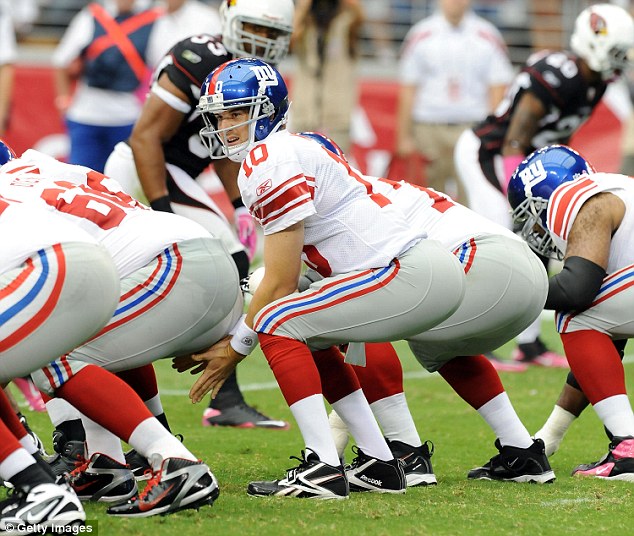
x=373, y=481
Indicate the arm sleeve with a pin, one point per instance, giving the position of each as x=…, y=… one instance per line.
x=574, y=288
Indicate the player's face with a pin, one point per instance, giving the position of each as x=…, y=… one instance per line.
x=260, y=31
x=237, y=118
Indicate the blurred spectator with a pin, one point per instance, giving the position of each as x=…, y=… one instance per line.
x=103, y=51
x=324, y=90
x=7, y=57
x=454, y=69
x=23, y=14
x=378, y=16
x=182, y=18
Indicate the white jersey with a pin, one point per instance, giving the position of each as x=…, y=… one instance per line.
x=26, y=230
x=566, y=201
x=449, y=222
x=347, y=227
x=132, y=233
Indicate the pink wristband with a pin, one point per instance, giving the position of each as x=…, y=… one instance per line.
x=509, y=164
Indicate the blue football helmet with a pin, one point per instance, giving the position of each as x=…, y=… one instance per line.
x=6, y=153
x=531, y=186
x=325, y=142
x=244, y=83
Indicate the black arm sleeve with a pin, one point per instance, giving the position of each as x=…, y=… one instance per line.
x=574, y=288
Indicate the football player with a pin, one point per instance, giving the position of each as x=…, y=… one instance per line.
x=164, y=263
x=383, y=280
x=552, y=96
x=46, y=265
x=164, y=152
x=586, y=218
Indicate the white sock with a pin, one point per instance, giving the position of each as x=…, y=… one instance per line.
x=531, y=332
x=355, y=411
x=28, y=444
x=60, y=411
x=339, y=432
x=501, y=417
x=555, y=428
x=154, y=405
x=98, y=439
x=616, y=414
x=312, y=421
x=15, y=462
x=150, y=439
x=395, y=419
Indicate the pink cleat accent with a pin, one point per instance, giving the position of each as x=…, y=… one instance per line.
x=31, y=394
x=617, y=464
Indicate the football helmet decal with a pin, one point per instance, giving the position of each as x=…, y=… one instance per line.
x=238, y=36
x=244, y=83
x=325, y=142
x=531, y=186
x=6, y=153
x=604, y=37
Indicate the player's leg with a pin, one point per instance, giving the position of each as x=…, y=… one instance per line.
x=506, y=287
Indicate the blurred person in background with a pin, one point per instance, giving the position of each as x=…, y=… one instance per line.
x=7, y=58
x=103, y=51
x=454, y=69
x=325, y=86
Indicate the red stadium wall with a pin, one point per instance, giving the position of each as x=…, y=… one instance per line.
x=36, y=123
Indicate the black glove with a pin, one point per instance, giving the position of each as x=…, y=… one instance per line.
x=162, y=204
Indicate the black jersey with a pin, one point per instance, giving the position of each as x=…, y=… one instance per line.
x=187, y=65
x=555, y=79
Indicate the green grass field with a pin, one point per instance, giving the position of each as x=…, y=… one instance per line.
x=454, y=507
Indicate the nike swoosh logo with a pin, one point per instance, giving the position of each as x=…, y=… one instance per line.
x=145, y=506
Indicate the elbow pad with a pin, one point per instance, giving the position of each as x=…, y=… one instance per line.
x=574, y=288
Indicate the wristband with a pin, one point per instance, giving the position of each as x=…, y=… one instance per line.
x=244, y=339
x=237, y=203
x=162, y=204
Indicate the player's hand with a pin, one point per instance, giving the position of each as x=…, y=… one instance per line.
x=219, y=362
x=246, y=227
x=186, y=362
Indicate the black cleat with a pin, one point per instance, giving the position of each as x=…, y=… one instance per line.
x=371, y=474
x=514, y=464
x=102, y=479
x=179, y=484
x=312, y=479
x=241, y=416
x=416, y=462
x=139, y=465
x=69, y=453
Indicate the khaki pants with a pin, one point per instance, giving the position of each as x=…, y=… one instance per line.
x=436, y=141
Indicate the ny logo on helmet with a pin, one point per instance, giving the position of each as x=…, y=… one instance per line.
x=265, y=75
x=532, y=175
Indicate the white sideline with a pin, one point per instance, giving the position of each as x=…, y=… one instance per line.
x=268, y=386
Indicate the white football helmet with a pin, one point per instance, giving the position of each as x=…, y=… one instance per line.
x=274, y=14
x=604, y=38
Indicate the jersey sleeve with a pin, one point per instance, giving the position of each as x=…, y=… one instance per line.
x=276, y=191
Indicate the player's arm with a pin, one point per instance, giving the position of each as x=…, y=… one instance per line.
x=587, y=254
x=405, y=144
x=158, y=123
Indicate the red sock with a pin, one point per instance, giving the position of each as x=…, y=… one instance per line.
x=9, y=418
x=293, y=366
x=142, y=380
x=105, y=399
x=595, y=363
x=8, y=442
x=382, y=375
x=338, y=378
x=473, y=378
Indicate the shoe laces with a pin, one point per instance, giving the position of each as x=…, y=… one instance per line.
x=291, y=473
x=155, y=479
x=80, y=466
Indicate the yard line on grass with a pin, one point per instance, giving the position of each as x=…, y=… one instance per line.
x=268, y=386
x=561, y=502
